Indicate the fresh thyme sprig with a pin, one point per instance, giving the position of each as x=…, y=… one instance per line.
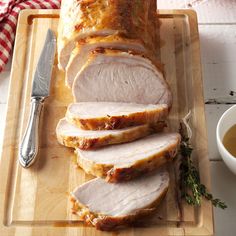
x=190, y=185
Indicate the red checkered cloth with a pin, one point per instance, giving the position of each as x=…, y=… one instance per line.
x=9, y=11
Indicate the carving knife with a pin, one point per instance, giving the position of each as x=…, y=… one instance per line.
x=40, y=90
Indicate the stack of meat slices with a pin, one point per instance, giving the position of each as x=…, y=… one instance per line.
x=123, y=146
x=121, y=100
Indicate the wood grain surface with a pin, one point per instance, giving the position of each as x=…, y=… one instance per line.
x=35, y=201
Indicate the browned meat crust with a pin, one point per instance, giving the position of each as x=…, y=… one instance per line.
x=132, y=19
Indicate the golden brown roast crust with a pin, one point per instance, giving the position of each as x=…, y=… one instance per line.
x=118, y=122
x=132, y=19
x=106, y=39
x=111, y=223
x=118, y=174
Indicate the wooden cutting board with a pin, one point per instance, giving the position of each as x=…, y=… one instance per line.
x=35, y=201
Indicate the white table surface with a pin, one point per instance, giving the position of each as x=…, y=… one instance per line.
x=217, y=27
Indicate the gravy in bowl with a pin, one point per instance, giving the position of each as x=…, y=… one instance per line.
x=229, y=140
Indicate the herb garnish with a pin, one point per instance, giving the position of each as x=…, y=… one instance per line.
x=190, y=185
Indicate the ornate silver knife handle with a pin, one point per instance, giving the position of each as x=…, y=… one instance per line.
x=29, y=145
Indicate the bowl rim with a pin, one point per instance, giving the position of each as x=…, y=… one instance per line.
x=219, y=141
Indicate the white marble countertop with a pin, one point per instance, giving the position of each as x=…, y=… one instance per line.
x=217, y=27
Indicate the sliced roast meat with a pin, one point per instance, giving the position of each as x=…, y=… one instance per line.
x=72, y=136
x=80, y=54
x=108, y=206
x=83, y=18
x=112, y=115
x=116, y=76
x=125, y=161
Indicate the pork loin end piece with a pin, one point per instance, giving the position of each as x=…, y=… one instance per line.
x=109, y=115
x=119, y=205
x=124, y=162
x=82, y=19
x=72, y=136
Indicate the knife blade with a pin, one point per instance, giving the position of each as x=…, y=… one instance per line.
x=40, y=90
x=42, y=76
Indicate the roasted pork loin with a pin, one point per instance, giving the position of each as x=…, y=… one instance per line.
x=109, y=206
x=83, y=47
x=123, y=162
x=72, y=136
x=109, y=51
x=116, y=76
x=112, y=115
x=82, y=18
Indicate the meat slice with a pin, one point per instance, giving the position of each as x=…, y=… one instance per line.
x=125, y=161
x=83, y=18
x=116, y=76
x=72, y=136
x=111, y=115
x=108, y=206
x=80, y=54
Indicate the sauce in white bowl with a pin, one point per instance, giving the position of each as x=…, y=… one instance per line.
x=229, y=140
x=226, y=122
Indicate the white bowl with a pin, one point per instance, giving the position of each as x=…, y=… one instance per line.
x=227, y=120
